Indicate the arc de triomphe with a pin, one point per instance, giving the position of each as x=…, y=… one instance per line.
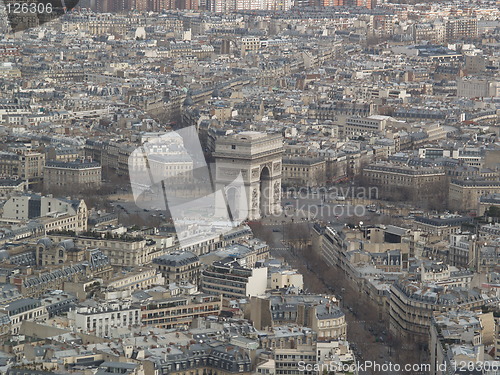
x=257, y=156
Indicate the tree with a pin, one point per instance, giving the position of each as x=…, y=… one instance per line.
x=492, y=211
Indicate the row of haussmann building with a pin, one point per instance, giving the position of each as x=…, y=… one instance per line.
x=405, y=290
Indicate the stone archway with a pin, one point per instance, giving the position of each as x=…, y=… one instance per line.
x=234, y=204
x=257, y=156
x=265, y=191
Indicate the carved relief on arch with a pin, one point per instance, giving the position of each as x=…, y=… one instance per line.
x=269, y=168
x=255, y=198
x=277, y=191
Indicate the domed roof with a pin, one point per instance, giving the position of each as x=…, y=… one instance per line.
x=67, y=244
x=188, y=101
x=47, y=242
x=216, y=93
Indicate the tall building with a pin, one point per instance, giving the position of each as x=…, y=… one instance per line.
x=304, y=3
x=370, y=4
x=27, y=166
x=219, y=6
x=231, y=280
x=140, y=5
x=187, y=4
x=461, y=28
x=179, y=267
x=102, y=320
x=112, y=6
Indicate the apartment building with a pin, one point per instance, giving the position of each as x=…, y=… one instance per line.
x=9, y=187
x=441, y=225
x=63, y=215
x=287, y=279
x=288, y=360
x=472, y=156
x=27, y=166
x=308, y=172
x=77, y=174
x=102, y=320
x=457, y=337
x=94, y=265
x=478, y=88
x=177, y=267
x=462, y=250
x=207, y=243
x=248, y=253
x=330, y=244
x=231, y=280
x=464, y=195
x=110, y=154
x=413, y=304
x=487, y=201
x=340, y=111
x=250, y=45
x=58, y=302
x=64, y=154
x=329, y=322
x=25, y=309
x=49, y=253
x=180, y=312
x=65, y=223
x=356, y=126
x=140, y=279
x=461, y=28
x=432, y=32
x=319, y=313
x=287, y=337
x=126, y=251
x=164, y=157
x=203, y=358
x=413, y=182
x=31, y=206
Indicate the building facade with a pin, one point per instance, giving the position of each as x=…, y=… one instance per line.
x=229, y=279
x=179, y=267
x=80, y=174
x=464, y=195
x=180, y=312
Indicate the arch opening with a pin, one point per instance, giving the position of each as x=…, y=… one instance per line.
x=265, y=191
